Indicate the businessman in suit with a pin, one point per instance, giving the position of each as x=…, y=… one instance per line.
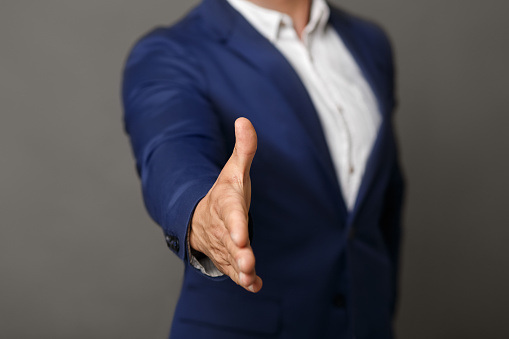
x=304, y=190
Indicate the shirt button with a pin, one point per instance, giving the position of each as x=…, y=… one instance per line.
x=352, y=169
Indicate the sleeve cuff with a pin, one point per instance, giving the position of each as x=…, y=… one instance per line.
x=201, y=263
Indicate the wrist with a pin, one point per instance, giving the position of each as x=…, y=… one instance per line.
x=196, y=228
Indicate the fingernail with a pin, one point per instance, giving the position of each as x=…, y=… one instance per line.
x=251, y=288
x=234, y=237
x=241, y=278
x=240, y=262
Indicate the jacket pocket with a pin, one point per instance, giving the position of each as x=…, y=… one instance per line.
x=229, y=310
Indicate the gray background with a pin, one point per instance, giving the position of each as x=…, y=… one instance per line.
x=79, y=257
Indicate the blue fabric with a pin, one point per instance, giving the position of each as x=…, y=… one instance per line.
x=183, y=88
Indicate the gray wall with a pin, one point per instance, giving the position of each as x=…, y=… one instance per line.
x=79, y=257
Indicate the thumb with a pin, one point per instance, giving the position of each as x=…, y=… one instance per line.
x=245, y=145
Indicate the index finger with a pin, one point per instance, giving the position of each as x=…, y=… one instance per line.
x=236, y=222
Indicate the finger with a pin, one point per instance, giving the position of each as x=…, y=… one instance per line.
x=256, y=286
x=251, y=287
x=251, y=282
x=245, y=145
x=232, y=273
x=242, y=259
x=243, y=263
x=237, y=223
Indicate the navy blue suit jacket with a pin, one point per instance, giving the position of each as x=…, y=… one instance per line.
x=328, y=273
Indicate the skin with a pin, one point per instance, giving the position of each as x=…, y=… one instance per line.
x=298, y=10
x=219, y=227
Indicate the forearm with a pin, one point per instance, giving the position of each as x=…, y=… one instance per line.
x=174, y=133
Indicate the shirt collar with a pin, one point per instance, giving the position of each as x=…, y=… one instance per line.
x=269, y=22
x=318, y=17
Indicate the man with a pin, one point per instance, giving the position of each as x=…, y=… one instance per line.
x=318, y=207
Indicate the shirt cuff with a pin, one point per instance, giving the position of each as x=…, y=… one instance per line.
x=200, y=261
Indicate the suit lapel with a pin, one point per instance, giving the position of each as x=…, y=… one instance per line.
x=229, y=27
x=367, y=64
x=265, y=57
x=244, y=40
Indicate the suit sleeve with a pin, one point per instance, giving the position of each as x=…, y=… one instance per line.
x=174, y=132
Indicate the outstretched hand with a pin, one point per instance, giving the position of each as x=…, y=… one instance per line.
x=219, y=227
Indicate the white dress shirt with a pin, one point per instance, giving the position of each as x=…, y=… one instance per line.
x=343, y=99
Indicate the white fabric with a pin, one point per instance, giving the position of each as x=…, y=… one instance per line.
x=344, y=101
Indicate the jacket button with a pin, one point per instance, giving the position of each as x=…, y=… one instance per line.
x=173, y=243
x=339, y=300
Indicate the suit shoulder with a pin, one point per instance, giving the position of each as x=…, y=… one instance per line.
x=166, y=47
x=369, y=32
x=177, y=37
x=166, y=55
x=375, y=43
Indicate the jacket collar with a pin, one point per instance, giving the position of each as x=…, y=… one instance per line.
x=226, y=25
x=270, y=22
